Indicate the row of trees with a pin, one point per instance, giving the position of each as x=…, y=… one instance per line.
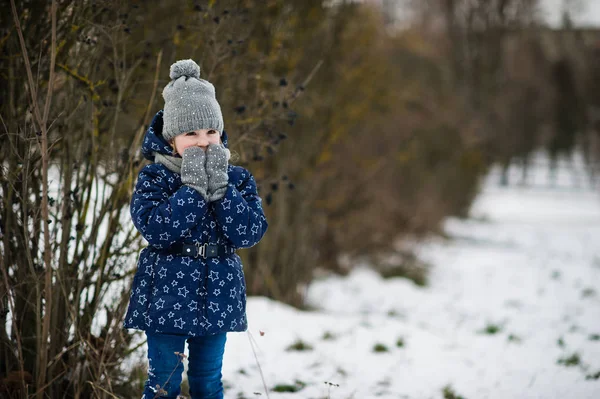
x=358, y=134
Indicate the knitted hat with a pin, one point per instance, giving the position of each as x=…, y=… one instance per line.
x=190, y=102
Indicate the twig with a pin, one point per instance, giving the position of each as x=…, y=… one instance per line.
x=102, y=389
x=306, y=81
x=251, y=338
x=138, y=138
x=312, y=73
x=14, y=326
x=156, y=74
x=179, y=357
x=41, y=122
x=131, y=350
x=52, y=65
x=32, y=86
x=42, y=388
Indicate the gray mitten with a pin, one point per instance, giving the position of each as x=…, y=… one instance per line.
x=217, y=157
x=193, y=172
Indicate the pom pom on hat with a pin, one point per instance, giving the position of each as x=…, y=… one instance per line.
x=187, y=68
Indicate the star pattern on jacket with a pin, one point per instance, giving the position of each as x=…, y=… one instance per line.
x=172, y=293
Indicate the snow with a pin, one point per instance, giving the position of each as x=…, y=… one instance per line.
x=525, y=262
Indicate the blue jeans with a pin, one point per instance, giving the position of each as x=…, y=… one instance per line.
x=204, y=365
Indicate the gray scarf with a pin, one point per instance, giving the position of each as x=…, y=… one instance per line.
x=172, y=163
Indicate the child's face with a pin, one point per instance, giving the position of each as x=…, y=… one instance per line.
x=201, y=138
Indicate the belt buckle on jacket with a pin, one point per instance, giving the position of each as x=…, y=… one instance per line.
x=201, y=249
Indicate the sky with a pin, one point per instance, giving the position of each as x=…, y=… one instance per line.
x=585, y=14
x=588, y=15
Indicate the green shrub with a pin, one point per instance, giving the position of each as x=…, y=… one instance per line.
x=378, y=348
x=573, y=360
x=299, y=345
x=449, y=393
x=513, y=338
x=491, y=329
x=297, y=386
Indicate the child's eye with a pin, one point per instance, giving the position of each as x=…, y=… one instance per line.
x=190, y=133
x=212, y=131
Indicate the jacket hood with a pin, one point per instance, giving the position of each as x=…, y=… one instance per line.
x=155, y=142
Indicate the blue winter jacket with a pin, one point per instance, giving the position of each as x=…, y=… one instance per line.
x=176, y=294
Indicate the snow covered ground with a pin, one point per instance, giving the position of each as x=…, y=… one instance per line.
x=512, y=311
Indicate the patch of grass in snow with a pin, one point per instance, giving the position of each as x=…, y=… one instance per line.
x=481, y=218
x=588, y=292
x=386, y=382
x=394, y=313
x=560, y=342
x=329, y=336
x=384, y=385
x=242, y=371
x=297, y=386
x=513, y=303
x=366, y=324
x=379, y=348
x=242, y=395
x=315, y=365
x=574, y=328
x=449, y=393
x=555, y=275
x=594, y=337
x=299, y=345
x=401, y=264
x=514, y=338
x=491, y=329
x=400, y=342
x=573, y=360
x=306, y=307
x=594, y=376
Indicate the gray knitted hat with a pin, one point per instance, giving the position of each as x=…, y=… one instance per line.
x=190, y=102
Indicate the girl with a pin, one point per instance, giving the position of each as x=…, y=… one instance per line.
x=195, y=210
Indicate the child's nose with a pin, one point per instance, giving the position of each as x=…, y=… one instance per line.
x=202, y=142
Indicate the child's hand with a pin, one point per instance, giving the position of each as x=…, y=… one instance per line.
x=217, y=157
x=193, y=171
